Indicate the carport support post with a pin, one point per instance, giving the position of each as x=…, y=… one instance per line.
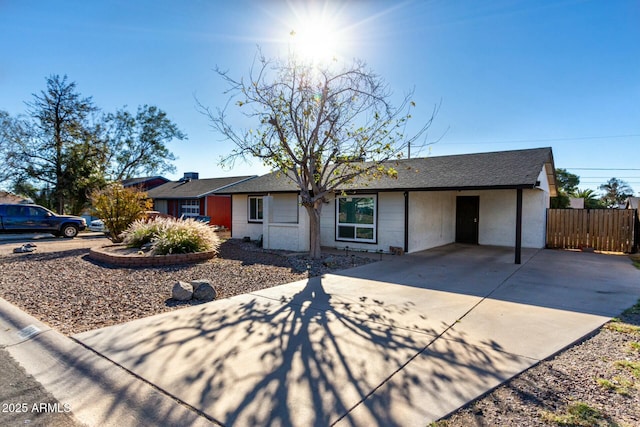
x=519, y=226
x=406, y=222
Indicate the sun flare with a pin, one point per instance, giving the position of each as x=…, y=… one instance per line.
x=315, y=42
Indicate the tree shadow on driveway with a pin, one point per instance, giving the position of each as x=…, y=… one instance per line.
x=307, y=360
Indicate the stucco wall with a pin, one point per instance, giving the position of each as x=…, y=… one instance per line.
x=432, y=220
x=284, y=208
x=390, y=220
x=497, y=222
x=286, y=223
x=285, y=236
x=240, y=227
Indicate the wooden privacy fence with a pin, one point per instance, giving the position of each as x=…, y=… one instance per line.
x=614, y=230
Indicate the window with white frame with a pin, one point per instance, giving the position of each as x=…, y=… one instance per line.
x=255, y=209
x=356, y=218
x=190, y=207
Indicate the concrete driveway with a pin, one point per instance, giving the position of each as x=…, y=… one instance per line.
x=397, y=343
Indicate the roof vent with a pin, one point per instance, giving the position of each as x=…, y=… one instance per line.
x=188, y=176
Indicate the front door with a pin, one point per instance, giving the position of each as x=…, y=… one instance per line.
x=467, y=216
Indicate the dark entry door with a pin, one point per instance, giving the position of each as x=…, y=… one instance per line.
x=467, y=216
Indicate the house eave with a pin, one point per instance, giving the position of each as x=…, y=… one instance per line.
x=395, y=189
x=451, y=188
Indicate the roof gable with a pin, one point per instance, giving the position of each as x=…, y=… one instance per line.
x=501, y=169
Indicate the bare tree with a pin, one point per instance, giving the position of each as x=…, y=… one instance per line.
x=321, y=126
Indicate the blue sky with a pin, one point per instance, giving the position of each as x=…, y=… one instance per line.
x=510, y=74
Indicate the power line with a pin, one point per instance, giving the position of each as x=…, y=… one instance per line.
x=604, y=169
x=515, y=141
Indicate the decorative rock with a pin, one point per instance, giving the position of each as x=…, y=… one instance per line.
x=203, y=290
x=182, y=291
x=198, y=282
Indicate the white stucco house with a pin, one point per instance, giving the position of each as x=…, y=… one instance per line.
x=498, y=198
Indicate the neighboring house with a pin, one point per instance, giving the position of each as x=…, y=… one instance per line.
x=193, y=197
x=145, y=183
x=633, y=203
x=6, y=197
x=498, y=198
x=576, y=203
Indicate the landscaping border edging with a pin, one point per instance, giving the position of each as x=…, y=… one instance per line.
x=97, y=254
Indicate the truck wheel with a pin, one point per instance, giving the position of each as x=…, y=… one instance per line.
x=69, y=231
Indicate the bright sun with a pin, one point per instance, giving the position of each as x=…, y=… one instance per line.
x=315, y=41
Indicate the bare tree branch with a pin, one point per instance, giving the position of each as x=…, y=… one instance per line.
x=322, y=127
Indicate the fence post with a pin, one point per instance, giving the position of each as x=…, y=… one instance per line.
x=636, y=239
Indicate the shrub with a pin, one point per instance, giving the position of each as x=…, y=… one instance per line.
x=172, y=236
x=141, y=232
x=119, y=207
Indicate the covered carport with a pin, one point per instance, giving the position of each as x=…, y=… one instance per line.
x=500, y=199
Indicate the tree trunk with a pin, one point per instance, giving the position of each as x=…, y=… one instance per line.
x=314, y=229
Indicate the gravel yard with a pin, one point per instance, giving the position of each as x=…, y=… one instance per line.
x=73, y=294
x=602, y=373
x=598, y=379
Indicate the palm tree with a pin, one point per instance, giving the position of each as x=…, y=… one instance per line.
x=591, y=201
x=616, y=192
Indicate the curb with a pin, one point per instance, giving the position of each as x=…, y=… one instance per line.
x=98, y=392
x=119, y=260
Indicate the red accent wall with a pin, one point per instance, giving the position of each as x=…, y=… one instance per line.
x=153, y=183
x=173, y=208
x=219, y=209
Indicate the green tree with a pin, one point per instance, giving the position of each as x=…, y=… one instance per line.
x=319, y=125
x=591, y=200
x=6, y=123
x=567, y=184
x=616, y=192
x=62, y=150
x=86, y=166
x=58, y=136
x=138, y=143
x=41, y=196
x=119, y=207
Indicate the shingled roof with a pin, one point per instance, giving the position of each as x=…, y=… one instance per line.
x=132, y=182
x=495, y=170
x=194, y=188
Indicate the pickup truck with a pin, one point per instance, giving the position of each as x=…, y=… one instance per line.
x=26, y=218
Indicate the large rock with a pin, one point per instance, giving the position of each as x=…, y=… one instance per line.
x=182, y=291
x=203, y=290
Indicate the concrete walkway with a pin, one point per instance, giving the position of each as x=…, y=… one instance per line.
x=398, y=343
